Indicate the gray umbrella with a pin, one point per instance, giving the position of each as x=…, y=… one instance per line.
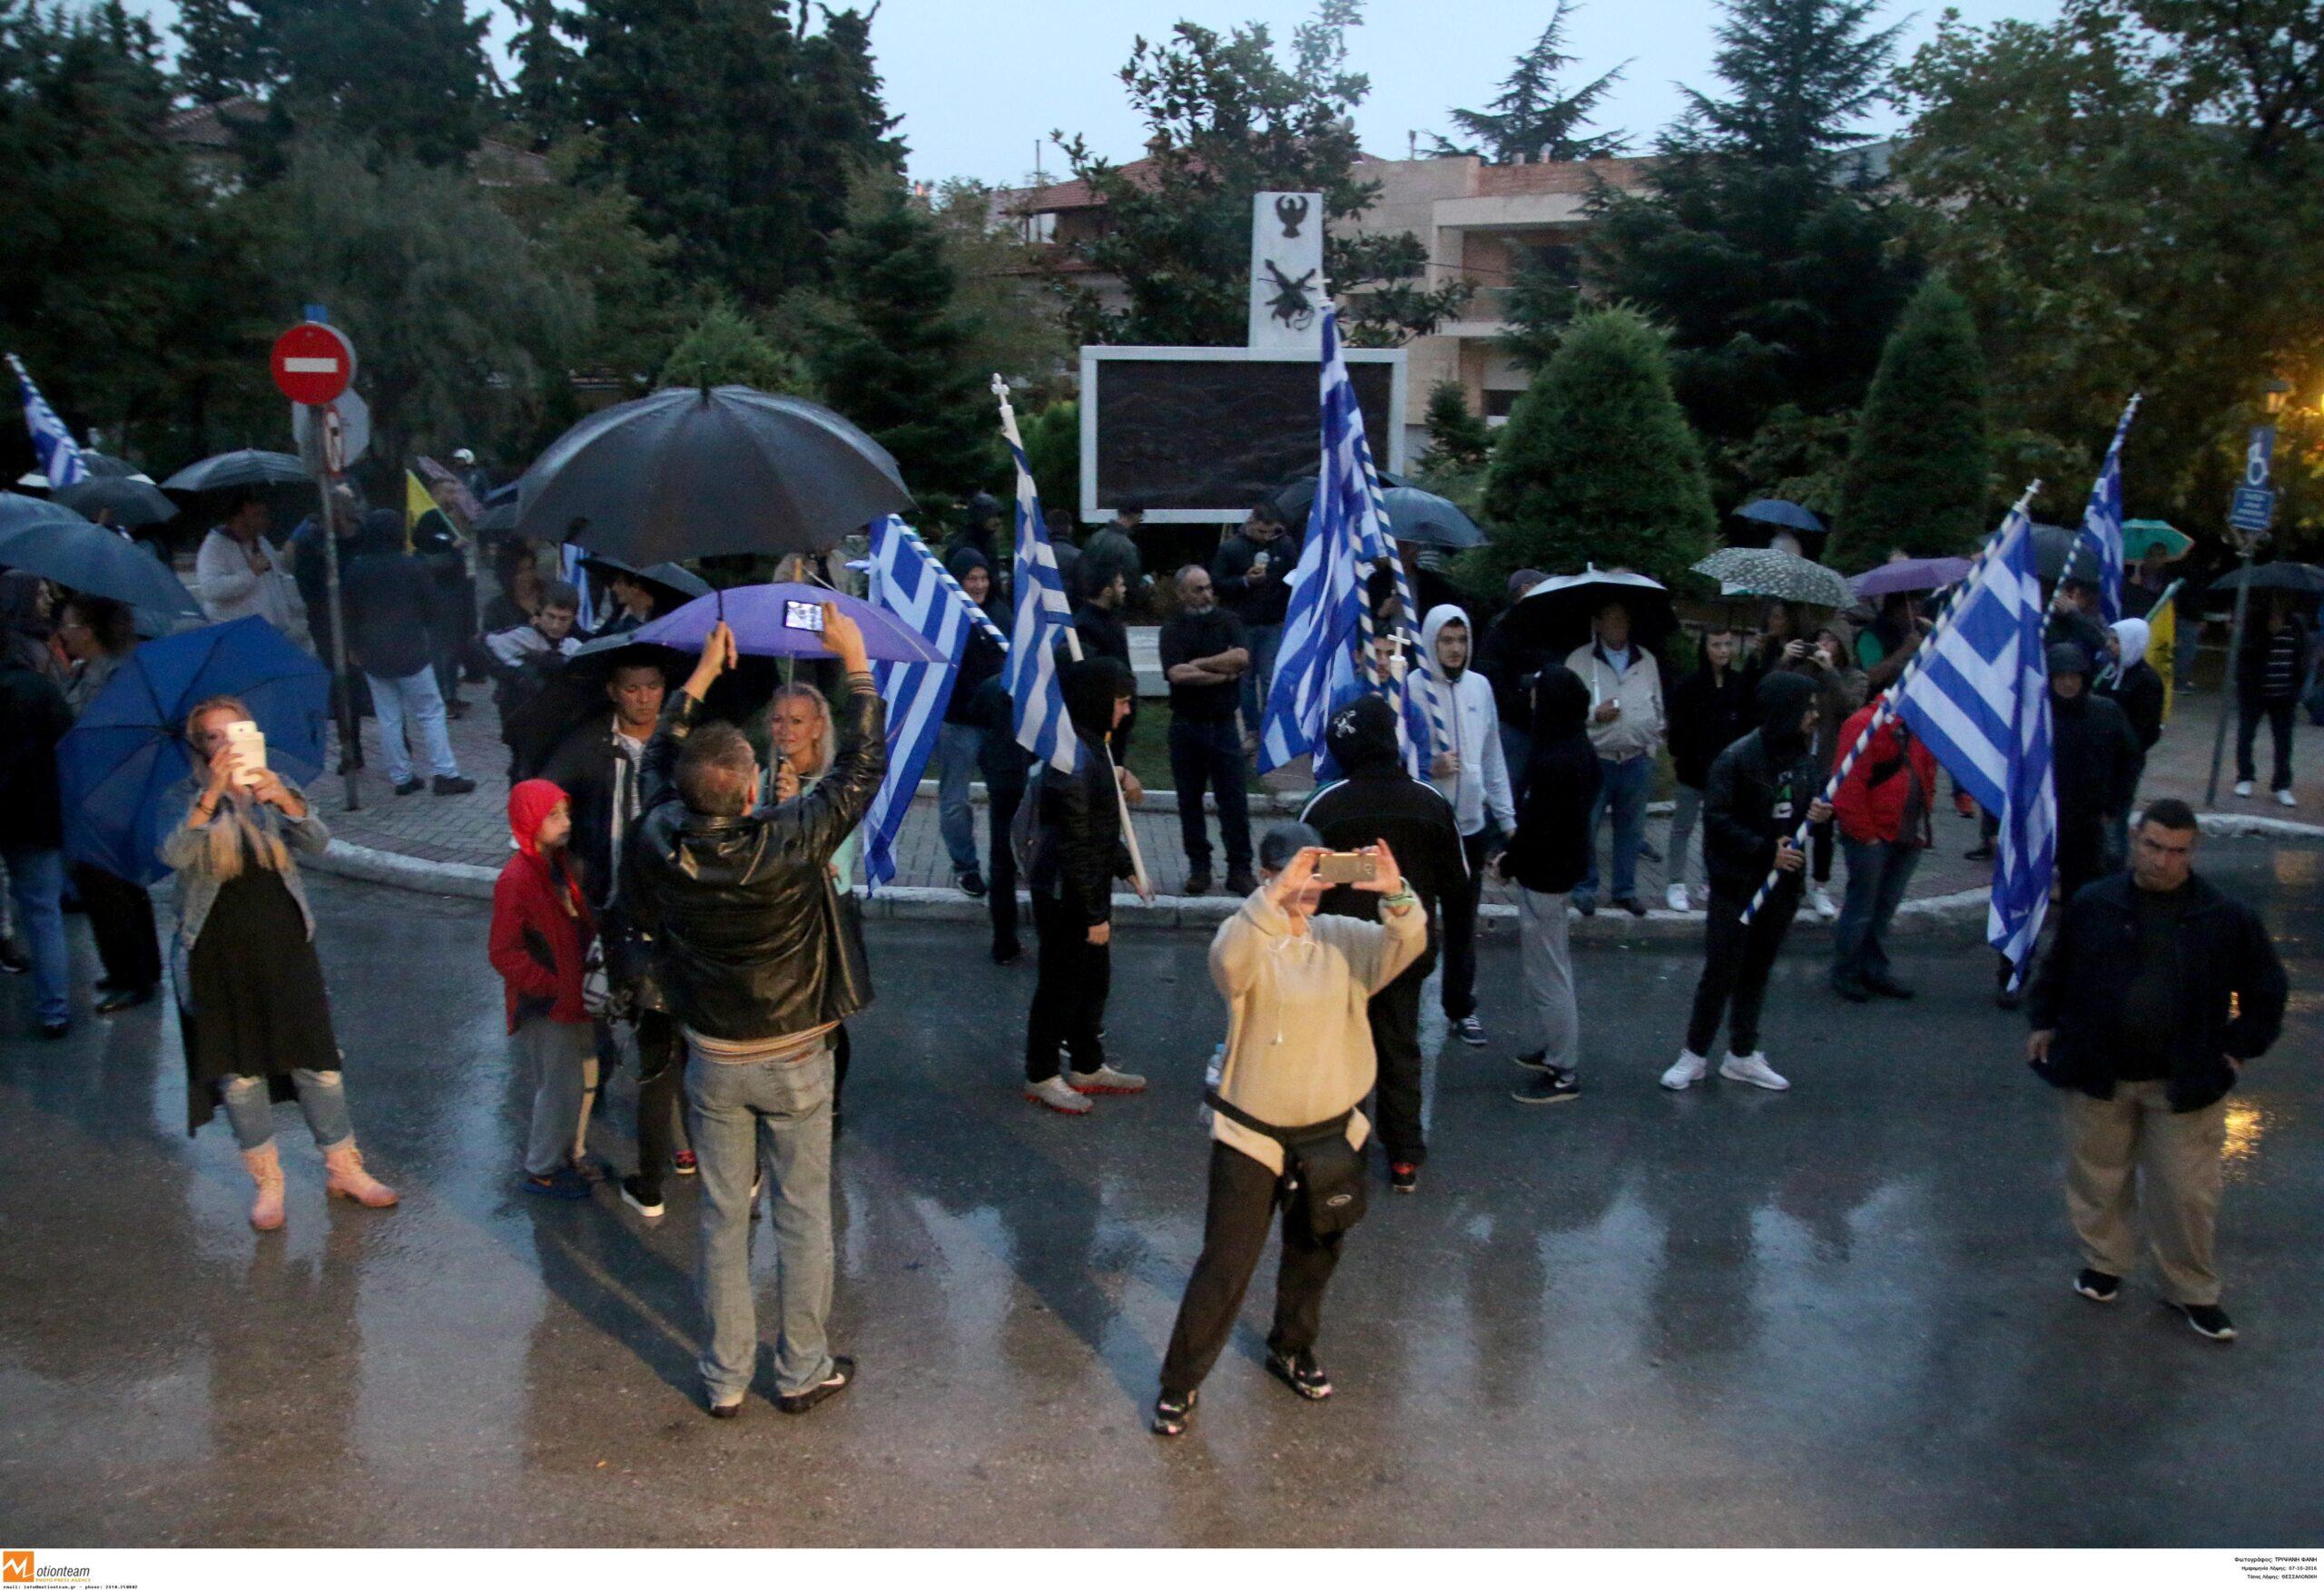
x=1770, y=572
x=1414, y=516
x=131, y=503
x=691, y=472
x=50, y=540
x=2283, y=574
x=675, y=577
x=247, y=466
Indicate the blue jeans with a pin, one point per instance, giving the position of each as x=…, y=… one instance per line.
x=1878, y=872
x=36, y=885
x=956, y=749
x=322, y=1100
x=778, y=1113
x=1210, y=755
x=417, y=695
x=1264, y=641
x=1622, y=790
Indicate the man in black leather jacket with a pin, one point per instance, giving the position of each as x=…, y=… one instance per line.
x=751, y=952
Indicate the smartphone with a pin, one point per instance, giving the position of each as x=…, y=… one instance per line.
x=1346, y=866
x=246, y=745
x=804, y=615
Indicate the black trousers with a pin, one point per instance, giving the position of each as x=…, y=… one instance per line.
x=1210, y=755
x=1459, y=908
x=1737, y=959
x=1069, y=994
x=2279, y=716
x=1000, y=900
x=661, y=1079
x=1395, y=1012
x=121, y=920
x=1244, y=1197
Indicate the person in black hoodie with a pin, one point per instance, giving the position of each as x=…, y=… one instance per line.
x=1546, y=858
x=960, y=738
x=1758, y=791
x=1004, y=764
x=1376, y=800
x=1709, y=711
x=1077, y=854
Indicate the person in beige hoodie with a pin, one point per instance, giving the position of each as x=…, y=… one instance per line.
x=1298, y=1057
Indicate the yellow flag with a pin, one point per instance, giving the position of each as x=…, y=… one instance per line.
x=416, y=503
x=2162, y=649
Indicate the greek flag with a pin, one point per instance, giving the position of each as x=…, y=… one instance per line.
x=908, y=581
x=1044, y=618
x=1980, y=701
x=60, y=456
x=1329, y=615
x=2101, y=541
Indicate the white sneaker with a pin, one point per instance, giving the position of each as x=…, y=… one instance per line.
x=1821, y=901
x=1106, y=1080
x=1753, y=1069
x=1058, y=1095
x=1686, y=1071
x=2243, y=788
x=2284, y=798
x=1676, y=899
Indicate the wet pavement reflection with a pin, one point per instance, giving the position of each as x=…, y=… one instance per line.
x=1838, y=1316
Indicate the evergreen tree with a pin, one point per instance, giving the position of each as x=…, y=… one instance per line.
x=1597, y=463
x=217, y=50
x=1456, y=438
x=1919, y=474
x=545, y=103
x=1053, y=449
x=724, y=349
x=1530, y=120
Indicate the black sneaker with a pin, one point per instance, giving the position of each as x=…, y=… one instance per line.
x=454, y=785
x=1888, y=989
x=1242, y=882
x=2097, y=1286
x=1551, y=1087
x=1198, y=883
x=125, y=1000
x=1981, y=853
x=13, y=960
x=646, y=1201
x=1539, y=1061
x=2209, y=1320
x=1853, y=992
x=1587, y=905
x=1301, y=1373
x=1470, y=1031
x=411, y=786
x=971, y=883
x=1631, y=904
x=727, y=1410
x=842, y=1376
x=1172, y=1410
x=1404, y=1177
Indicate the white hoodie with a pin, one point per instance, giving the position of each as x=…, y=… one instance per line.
x=1471, y=729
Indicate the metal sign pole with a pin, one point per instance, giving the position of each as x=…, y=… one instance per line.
x=351, y=724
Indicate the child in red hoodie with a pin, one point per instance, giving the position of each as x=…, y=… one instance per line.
x=541, y=930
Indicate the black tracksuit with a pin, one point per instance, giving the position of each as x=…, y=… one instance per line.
x=1076, y=858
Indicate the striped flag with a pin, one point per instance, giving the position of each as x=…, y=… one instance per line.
x=908, y=581
x=1980, y=699
x=1044, y=618
x=60, y=456
x=2101, y=541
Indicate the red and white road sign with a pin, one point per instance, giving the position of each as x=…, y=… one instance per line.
x=312, y=362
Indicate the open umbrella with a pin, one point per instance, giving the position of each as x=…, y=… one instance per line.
x=1296, y=495
x=498, y=515
x=1556, y=613
x=1414, y=516
x=1778, y=511
x=1908, y=575
x=247, y=466
x=689, y=471
x=576, y=692
x=2141, y=535
x=756, y=614
x=1769, y=572
x=122, y=769
x=674, y=580
x=131, y=503
x=2053, y=550
x=2283, y=574
x=50, y=540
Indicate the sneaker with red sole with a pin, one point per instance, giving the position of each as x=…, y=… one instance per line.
x=683, y=1163
x=1404, y=1177
x=1106, y=1080
x=1057, y=1095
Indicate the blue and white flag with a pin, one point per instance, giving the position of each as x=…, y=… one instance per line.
x=60, y=456
x=1980, y=701
x=1044, y=618
x=2101, y=541
x=906, y=578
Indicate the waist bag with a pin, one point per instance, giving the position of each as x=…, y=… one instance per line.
x=1327, y=1172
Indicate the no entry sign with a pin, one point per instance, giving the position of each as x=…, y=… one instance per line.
x=312, y=362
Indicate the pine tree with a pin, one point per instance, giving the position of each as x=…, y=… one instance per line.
x=1919, y=474
x=1457, y=439
x=1053, y=449
x=724, y=348
x=1597, y=463
x=547, y=62
x=217, y=50
x=1530, y=120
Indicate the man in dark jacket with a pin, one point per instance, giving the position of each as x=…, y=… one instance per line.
x=2268, y=676
x=1005, y=765
x=390, y=599
x=1076, y=856
x=958, y=740
x=1546, y=858
x=1758, y=789
x=1250, y=574
x=1710, y=711
x=32, y=718
x=1205, y=655
x=752, y=951
x=2158, y=990
x=1509, y=660
x=1113, y=546
x=1376, y=800
x=1099, y=623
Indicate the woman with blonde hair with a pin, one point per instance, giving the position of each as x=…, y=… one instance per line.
x=257, y=1021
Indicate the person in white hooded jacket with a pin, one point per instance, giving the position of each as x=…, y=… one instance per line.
x=1467, y=766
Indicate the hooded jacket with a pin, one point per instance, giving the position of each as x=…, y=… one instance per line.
x=1891, y=788
x=2134, y=685
x=1077, y=852
x=1376, y=800
x=1840, y=689
x=390, y=600
x=1758, y=789
x=541, y=925
x=1550, y=852
x=980, y=655
x=2097, y=763
x=1708, y=713
x=1462, y=701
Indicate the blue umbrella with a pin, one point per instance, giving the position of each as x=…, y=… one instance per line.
x=1776, y=511
x=123, y=767
x=51, y=540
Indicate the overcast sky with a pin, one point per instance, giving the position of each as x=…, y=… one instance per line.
x=978, y=83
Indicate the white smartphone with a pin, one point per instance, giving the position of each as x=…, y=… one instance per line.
x=246, y=745
x=804, y=615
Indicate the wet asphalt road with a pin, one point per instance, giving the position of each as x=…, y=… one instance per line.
x=1838, y=1317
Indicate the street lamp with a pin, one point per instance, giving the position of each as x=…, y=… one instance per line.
x=2277, y=394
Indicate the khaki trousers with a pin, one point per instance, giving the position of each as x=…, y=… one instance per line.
x=2177, y=1162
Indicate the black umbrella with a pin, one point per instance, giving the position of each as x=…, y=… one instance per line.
x=50, y=540
x=695, y=471
x=248, y=466
x=2283, y=574
x=500, y=513
x=1555, y=616
x=1414, y=516
x=674, y=578
x=2053, y=550
x=105, y=466
x=576, y=693
x=1296, y=495
x=131, y=503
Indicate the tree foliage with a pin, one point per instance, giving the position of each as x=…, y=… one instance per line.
x=1597, y=463
x=1532, y=119
x=1919, y=475
x=725, y=348
x=1015, y=314
x=1457, y=439
x=1053, y=449
x=546, y=105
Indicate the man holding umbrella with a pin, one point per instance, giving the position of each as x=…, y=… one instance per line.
x=235, y=571
x=1625, y=726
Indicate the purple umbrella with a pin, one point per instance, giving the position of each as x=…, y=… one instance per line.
x=756, y=614
x=1908, y=575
